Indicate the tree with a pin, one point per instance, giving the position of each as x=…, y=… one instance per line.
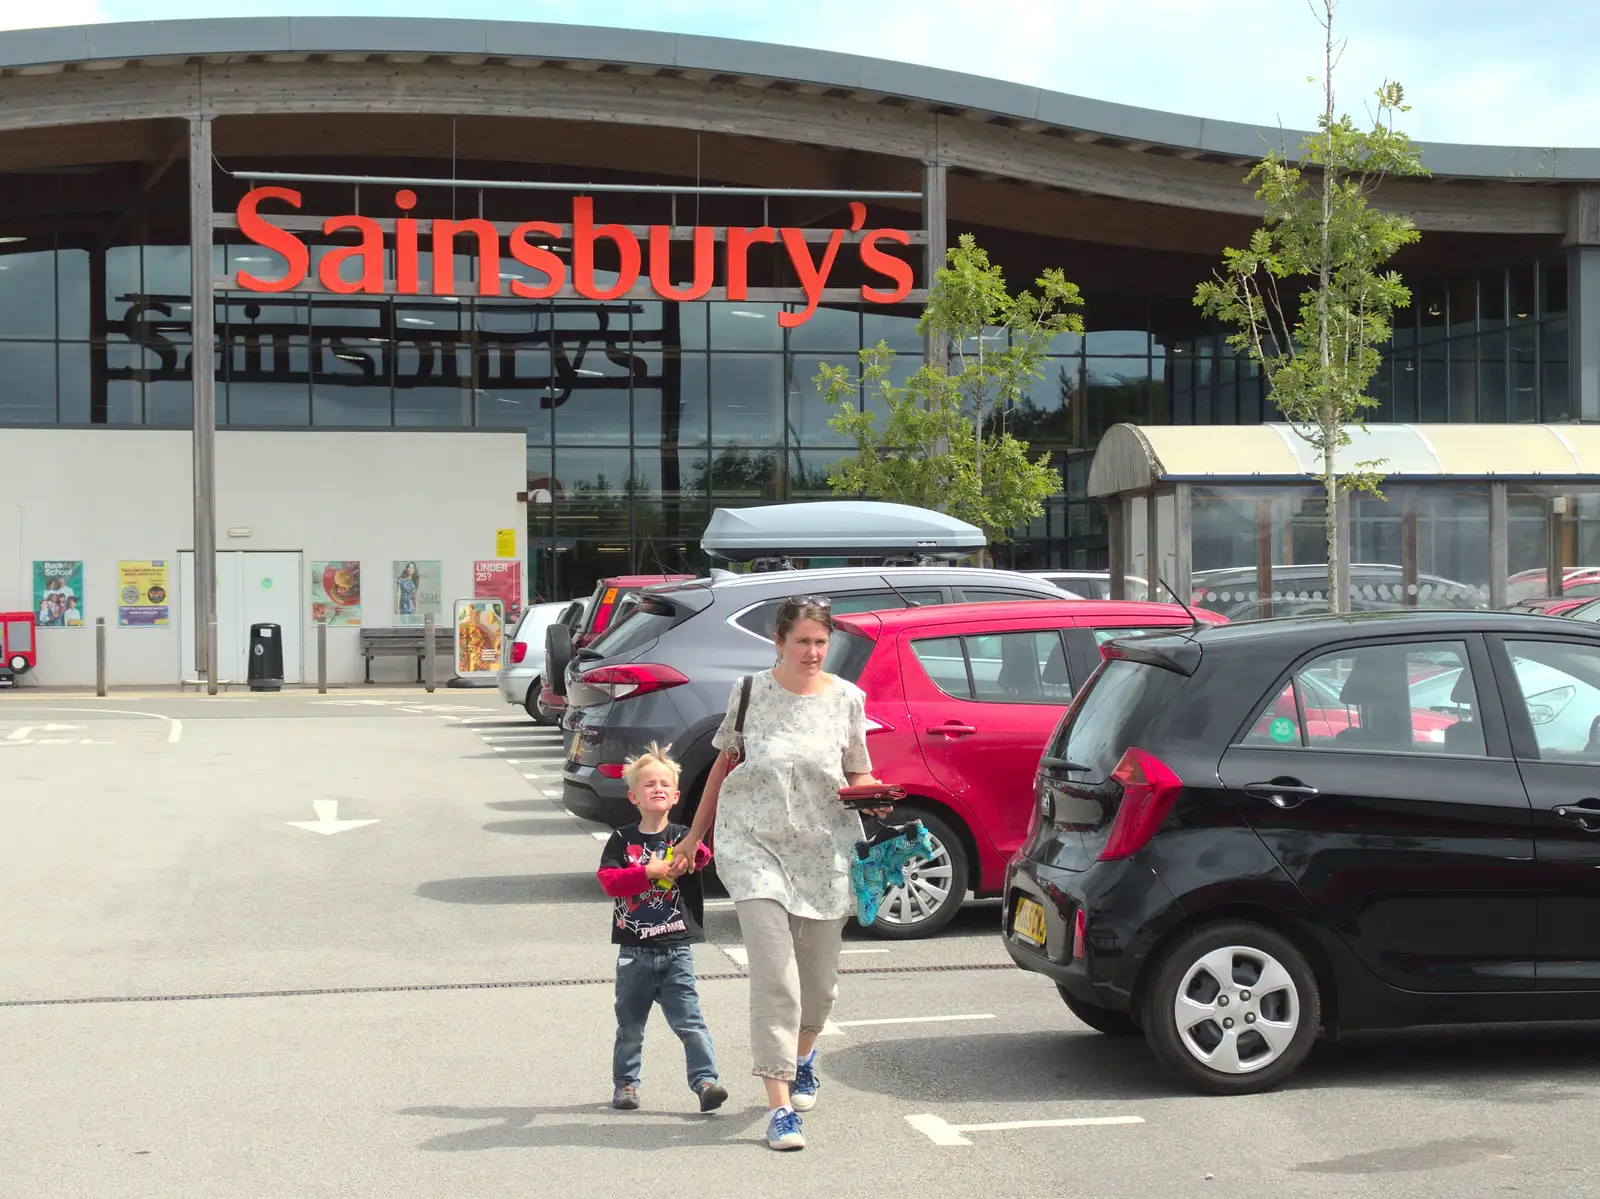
x=1309, y=298
x=939, y=446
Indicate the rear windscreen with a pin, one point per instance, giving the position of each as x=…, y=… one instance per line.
x=847, y=654
x=1120, y=703
x=640, y=626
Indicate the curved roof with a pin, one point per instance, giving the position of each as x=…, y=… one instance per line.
x=1136, y=457
x=1032, y=109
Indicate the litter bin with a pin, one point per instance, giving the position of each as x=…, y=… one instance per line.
x=266, y=657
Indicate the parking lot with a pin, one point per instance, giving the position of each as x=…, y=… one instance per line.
x=352, y=945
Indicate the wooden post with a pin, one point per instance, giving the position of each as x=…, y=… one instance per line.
x=1408, y=554
x=1555, y=560
x=934, y=216
x=1264, y=543
x=100, y=656
x=1182, y=536
x=1499, y=546
x=1117, y=545
x=1152, y=545
x=427, y=652
x=322, y=658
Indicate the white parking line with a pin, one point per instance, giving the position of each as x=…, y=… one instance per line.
x=737, y=953
x=844, y=951
x=601, y=834
x=835, y=1028
x=941, y=1132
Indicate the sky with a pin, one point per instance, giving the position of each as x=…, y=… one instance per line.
x=1485, y=71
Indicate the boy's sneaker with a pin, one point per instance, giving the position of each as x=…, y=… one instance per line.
x=803, y=1090
x=625, y=1098
x=783, y=1131
x=712, y=1095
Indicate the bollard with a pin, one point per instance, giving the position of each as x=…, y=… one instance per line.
x=427, y=653
x=211, y=655
x=322, y=659
x=100, y=656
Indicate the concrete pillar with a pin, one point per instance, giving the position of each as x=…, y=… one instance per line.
x=203, y=310
x=1583, y=300
x=935, y=215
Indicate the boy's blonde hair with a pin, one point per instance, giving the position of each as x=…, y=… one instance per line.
x=654, y=755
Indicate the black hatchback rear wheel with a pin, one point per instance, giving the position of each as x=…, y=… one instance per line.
x=1232, y=1009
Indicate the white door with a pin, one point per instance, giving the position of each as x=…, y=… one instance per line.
x=252, y=588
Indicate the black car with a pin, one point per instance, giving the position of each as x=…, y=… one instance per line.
x=1250, y=833
x=665, y=673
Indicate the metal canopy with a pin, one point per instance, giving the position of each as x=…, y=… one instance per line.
x=837, y=529
x=1136, y=458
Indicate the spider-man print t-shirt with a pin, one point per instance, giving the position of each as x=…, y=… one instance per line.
x=666, y=911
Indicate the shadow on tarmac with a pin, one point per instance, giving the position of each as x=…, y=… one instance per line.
x=514, y=888
x=1537, y=1066
x=545, y=1128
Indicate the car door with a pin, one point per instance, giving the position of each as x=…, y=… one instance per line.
x=1552, y=699
x=1415, y=844
x=983, y=699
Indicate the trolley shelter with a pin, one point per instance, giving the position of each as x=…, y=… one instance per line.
x=1469, y=516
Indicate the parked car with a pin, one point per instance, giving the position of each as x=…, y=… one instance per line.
x=665, y=674
x=522, y=671
x=1090, y=584
x=1210, y=866
x=1581, y=581
x=1298, y=590
x=960, y=703
x=1548, y=605
x=1588, y=611
x=610, y=599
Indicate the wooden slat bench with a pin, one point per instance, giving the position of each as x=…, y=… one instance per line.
x=405, y=643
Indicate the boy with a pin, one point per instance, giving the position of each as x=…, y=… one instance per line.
x=656, y=920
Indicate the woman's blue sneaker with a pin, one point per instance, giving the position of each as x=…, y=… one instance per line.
x=803, y=1090
x=783, y=1131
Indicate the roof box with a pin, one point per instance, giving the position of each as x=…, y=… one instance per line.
x=838, y=529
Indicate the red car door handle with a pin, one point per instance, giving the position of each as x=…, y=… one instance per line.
x=953, y=729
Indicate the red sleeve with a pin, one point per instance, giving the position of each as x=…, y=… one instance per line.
x=622, y=881
x=702, y=856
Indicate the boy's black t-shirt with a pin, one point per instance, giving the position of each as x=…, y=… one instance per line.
x=668, y=911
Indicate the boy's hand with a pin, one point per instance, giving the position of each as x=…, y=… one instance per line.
x=657, y=869
x=683, y=854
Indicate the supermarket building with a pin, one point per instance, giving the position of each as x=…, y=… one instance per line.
x=496, y=291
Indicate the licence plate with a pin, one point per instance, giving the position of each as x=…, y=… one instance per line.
x=1029, y=922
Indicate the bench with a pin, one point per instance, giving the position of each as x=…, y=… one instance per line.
x=405, y=643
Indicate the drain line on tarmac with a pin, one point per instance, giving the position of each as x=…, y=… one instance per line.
x=402, y=988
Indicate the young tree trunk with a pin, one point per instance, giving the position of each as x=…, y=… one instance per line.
x=1337, y=600
x=1331, y=414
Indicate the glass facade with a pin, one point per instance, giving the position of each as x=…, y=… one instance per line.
x=641, y=416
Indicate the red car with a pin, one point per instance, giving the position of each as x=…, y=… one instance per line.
x=562, y=642
x=960, y=703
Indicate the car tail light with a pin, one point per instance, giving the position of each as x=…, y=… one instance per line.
x=1149, y=787
x=623, y=682
x=610, y=770
x=519, y=651
x=1078, y=926
x=602, y=614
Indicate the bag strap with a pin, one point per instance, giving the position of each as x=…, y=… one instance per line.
x=744, y=704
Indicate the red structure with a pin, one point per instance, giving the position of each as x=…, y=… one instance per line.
x=18, y=651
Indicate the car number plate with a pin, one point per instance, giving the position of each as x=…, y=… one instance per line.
x=1029, y=922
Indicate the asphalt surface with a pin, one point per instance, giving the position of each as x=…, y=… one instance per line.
x=202, y=996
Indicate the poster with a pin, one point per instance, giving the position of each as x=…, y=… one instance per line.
x=336, y=593
x=142, y=594
x=416, y=591
x=480, y=630
x=58, y=594
x=505, y=543
x=500, y=580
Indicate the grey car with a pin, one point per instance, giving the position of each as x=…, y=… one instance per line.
x=522, y=672
x=664, y=674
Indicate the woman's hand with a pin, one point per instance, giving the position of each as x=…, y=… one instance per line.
x=657, y=869
x=683, y=855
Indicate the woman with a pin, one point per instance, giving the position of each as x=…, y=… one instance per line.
x=784, y=842
x=406, y=590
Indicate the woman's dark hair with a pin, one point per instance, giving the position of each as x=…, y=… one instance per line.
x=797, y=608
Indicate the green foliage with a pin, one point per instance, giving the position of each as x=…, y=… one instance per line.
x=939, y=445
x=1309, y=298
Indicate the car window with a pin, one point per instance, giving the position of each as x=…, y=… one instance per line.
x=762, y=619
x=1416, y=697
x=945, y=664
x=984, y=595
x=1115, y=711
x=1019, y=668
x=1560, y=686
x=1101, y=636
x=642, y=623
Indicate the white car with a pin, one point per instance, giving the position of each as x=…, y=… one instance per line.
x=522, y=672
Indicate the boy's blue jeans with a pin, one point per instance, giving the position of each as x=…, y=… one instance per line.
x=665, y=975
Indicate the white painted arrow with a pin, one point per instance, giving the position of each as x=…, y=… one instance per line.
x=327, y=821
x=24, y=733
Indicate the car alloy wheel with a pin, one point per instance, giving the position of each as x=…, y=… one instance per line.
x=1233, y=1008
x=531, y=706
x=934, y=888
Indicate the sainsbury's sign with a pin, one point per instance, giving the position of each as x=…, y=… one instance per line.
x=530, y=245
